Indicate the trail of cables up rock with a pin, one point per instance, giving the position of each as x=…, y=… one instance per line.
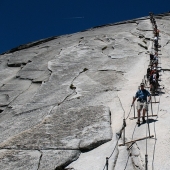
x=147, y=128
x=130, y=148
x=146, y=81
x=153, y=21
x=154, y=25
x=118, y=137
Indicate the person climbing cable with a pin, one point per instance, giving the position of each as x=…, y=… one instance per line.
x=156, y=31
x=154, y=80
x=141, y=96
x=156, y=41
x=148, y=72
x=151, y=56
x=155, y=59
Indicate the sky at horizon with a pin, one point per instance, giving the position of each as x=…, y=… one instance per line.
x=29, y=20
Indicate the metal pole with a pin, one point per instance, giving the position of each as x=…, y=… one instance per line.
x=151, y=106
x=146, y=162
x=134, y=106
x=154, y=96
x=145, y=79
x=148, y=124
x=107, y=163
x=146, y=155
x=124, y=125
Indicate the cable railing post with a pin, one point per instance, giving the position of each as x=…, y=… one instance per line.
x=107, y=163
x=148, y=124
x=146, y=155
x=134, y=107
x=124, y=125
x=146, y=162
x=151, y=106
x=145, y=79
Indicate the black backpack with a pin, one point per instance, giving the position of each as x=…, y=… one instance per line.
x=151, y=56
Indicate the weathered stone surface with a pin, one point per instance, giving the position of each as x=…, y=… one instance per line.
x=12, y=124
x=84, y=129
x=12, y=89
x=17, y=60
x=57, y=159
x=6, y=73
x=23, y=57
x=16, y=159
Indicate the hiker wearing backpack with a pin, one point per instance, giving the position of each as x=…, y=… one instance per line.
x=155, y=59
x=156, y=42
x=151, y=56
x=141, y=96
x=156, y=31
x=148, y=72
x=154, y=80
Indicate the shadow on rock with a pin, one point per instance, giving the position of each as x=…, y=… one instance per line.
x=151, y=120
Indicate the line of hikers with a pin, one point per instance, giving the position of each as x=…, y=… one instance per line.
x=153, y=21
x=152, y=73
x=152, y=76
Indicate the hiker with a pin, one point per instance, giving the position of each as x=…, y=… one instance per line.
x=155, y=59
x=151, y=56
x=153, y=67
x=156, y=41
x=157, y=32
x=154, y=63
x=151, y=15
x=154, y=76
x=141, y=96
x=154, y=71
x=148, y=72
x=154, y=22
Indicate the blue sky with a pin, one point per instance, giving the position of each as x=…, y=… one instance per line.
x=24, y=21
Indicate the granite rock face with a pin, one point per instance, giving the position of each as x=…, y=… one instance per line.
x=75, y=128
x=18, y=159
x=62, y=100
x=62, y=158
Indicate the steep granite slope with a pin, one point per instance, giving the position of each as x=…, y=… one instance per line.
x=63, y=99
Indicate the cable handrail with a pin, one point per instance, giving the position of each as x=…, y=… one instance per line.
x=154, y=25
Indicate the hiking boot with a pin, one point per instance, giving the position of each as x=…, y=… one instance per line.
x=138, y=122
x=143, y=119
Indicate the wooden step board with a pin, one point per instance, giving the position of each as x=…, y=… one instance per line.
x=132, y=118
x=136, y=140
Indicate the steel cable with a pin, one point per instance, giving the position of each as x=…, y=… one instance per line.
x=117, y=140
x=119, y=135
x=129, y=152
x=155, y=136
x=155, y=131
x=104, y=166
x=134, y=132
x=113, y=149
x=129, y=113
